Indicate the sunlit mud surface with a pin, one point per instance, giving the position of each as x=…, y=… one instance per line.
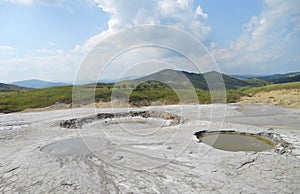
x=150, y=150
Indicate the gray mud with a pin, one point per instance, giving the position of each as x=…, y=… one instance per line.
x=74, y=151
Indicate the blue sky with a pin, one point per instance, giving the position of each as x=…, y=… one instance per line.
x=38, y=26
x=227, y=18
x=48, y=40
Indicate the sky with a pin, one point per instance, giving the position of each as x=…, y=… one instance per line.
x=50, y=39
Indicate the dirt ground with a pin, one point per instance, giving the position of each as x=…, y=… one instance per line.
x=287, y=98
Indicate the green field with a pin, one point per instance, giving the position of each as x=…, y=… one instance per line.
x=36, y=98
x=144, y=94
x=285, y=86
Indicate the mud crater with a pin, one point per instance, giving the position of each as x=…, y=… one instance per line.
x=230, y=140
x=75, y=123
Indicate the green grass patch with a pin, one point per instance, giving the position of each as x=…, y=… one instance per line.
x=144, y=94
x=272, y=87
x=36, y=98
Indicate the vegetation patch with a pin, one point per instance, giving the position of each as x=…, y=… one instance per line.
x=141, y=93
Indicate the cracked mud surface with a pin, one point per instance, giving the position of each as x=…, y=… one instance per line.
x=167, y=159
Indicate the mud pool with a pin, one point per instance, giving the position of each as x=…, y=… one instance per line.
x=236, y=142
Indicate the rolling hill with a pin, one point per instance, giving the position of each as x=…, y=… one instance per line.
x=180, y=79
x=282, y=78
x=10, y=87
x=35, y=83
x=157, y=88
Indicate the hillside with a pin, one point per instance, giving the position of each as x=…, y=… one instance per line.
x=287, y=94
x=282, y=78
x=155, y=89
x=37, y=98
x=35, y=83
x=180, y=79
x=10, y=87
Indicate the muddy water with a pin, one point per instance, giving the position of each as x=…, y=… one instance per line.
x=231, y=142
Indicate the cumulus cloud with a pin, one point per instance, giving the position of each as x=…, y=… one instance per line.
x=136, y=45
x=180, y=14
x=269, y=41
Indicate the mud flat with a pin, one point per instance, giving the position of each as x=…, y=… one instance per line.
x=149, y=150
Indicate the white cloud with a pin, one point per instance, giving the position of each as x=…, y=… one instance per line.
x=199, y=12
x=143, y=44
x=45, y=62
x=23, y=2
x=50, y=43
x=57, y=67
x=91, y=42
x=50, y=52
x=179, y=14
x=30, y=2
x=6, y=48
x=270, y=40
x=183, y=3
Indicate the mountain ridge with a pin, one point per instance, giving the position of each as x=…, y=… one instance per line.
x=38, y=84
x=10, y=87
x=176, y=78
x=179, y=79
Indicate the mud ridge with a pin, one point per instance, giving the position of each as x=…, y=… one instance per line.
x=79, y=122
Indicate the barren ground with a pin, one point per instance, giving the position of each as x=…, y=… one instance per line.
x=287, y=97
x=146, y=155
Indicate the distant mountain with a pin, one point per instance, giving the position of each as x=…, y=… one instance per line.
x=130, y=77
x=247, y=76
x=10, y=87
x=35, y=83
x=180, y=79
x=271, y=79
x=175, y=79
x=282, y=78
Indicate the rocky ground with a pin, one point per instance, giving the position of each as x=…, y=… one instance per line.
x=85, y=150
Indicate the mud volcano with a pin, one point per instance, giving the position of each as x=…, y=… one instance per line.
x=141, y=121
x=172, y=119
x=239, y=141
